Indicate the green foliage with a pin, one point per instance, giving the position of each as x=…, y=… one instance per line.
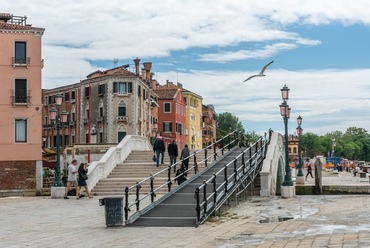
x=226, y=123
x=354, y=144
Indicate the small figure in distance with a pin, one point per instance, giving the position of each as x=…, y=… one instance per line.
x=72, y=178
x=185, y=153
x=81, y=181
x=309, y=171
x=181, y=175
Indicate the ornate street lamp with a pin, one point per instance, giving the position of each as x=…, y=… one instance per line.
x=299, y=132
x=285, y=113
x=59, y=118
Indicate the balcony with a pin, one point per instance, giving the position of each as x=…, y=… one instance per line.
x=21, y=97
x=121, y=118
x=72, y=123
x=86, y=121
x=100, y=119
x=21, y=61
x=48, y=126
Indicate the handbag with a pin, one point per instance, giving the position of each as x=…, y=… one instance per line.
x=154, y=158
x=84, y=176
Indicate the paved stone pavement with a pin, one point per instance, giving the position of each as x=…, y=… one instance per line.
x=303, y=221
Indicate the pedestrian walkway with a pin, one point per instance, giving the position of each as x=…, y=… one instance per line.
x=303, y=221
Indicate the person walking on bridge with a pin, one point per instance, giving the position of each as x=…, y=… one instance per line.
x=309, y=171
x=173, y=153
x=159, y=148
x=185, y=153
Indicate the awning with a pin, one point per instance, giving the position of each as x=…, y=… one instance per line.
x=48, y=164
x=46, y=152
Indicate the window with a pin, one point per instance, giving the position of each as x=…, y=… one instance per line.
x=122, y=88
x=204, y=132
x=20, y=88
x=73, y=95
x=66, y=140
x=197, y=103
x=179, y=128
x=187, y=131
x=101, y=89
x=294, y=150
x=73, y=139
x=121, y=135
x=185, y=99
x=44, y=141
x=167, y=107
x=122, y=109
x=139, y=90
x=87, y=93
x=66, y=96
x=20, y=130
x=54, y=141
x=167, y=126
x=45, y=120
x=73, y=116
x=129, y=87
x=87, y=114
x=20, y=52
x=87, y=138
x=144, y=94
x=101, y=112
x=46, y=101
x=192, y=116
x=50, y=99
x=50, y=140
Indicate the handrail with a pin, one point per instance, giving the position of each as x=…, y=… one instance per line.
x=153, y=191
x=231, y=182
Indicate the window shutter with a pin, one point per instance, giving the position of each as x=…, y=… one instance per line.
x=114, y=87
x=170, y=124
x=164, y=127
x=129, y=87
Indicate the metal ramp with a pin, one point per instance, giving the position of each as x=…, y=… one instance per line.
x=189, y=204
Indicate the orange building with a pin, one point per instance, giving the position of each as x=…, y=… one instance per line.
x=209, y=124
x=20, y=106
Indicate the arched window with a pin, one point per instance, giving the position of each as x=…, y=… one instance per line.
x=289, y=150
x=73, y=114
x=295, y=150
x=121, y=133
x=122, y=109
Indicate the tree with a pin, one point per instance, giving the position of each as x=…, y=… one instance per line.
x=226, y=123
x=310, y=144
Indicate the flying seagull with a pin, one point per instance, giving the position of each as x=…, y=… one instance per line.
x=261, y=73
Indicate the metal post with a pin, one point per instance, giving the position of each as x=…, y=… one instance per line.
x=300, y=173
x=235, y=172
x=214, y=190
x=195, y=164
x=205, y=196
x=152, y=194
x=138, y=186
x=228, y=141
x=287, y=179
x=58, y=181
x=225, y=179
x=126, y=205
x=169, y=183
x=243, y=162
x=214, y=151
x=205, y=154
x=198, y=204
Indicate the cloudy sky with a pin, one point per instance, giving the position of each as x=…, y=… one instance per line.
x=320, y=48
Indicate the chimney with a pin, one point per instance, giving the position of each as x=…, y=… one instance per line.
x=147, y=66
x=167, y=82
x=137, y=62
x=154, y=84
x=143, y=73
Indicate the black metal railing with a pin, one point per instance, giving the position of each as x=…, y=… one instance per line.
x=21, y=60
x=149, y=182
x=215, y=191
x=21, y=96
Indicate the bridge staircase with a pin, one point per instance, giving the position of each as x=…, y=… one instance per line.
x=189, y=204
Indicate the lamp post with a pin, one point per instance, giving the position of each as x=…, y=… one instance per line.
x=59, y=118
x=299, y=132
x=285, y=113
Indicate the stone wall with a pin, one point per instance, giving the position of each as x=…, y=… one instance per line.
x=17, y=175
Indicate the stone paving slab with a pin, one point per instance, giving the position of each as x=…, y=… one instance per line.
x=318, y=221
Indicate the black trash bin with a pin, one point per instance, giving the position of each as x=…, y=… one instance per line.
x=113, y=210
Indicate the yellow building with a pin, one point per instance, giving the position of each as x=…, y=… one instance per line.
x=193, y=126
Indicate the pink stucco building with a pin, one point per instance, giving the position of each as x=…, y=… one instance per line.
x=20, y=106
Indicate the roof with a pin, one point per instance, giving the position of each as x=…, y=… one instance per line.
x=121, y=70
x=170, y=85
x=167, y=93
x=5, y=16
x=9, y=26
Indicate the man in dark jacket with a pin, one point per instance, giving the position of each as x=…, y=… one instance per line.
x=181, y=175
x=159, y=148
x=184, y=154
x=173, y=153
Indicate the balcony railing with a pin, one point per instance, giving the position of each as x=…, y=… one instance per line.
x=72, y=123
x=21, y=97
x=121, y=118
x=100, y=119
x=21, y=61
x=168, y=135
x=86, y=121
